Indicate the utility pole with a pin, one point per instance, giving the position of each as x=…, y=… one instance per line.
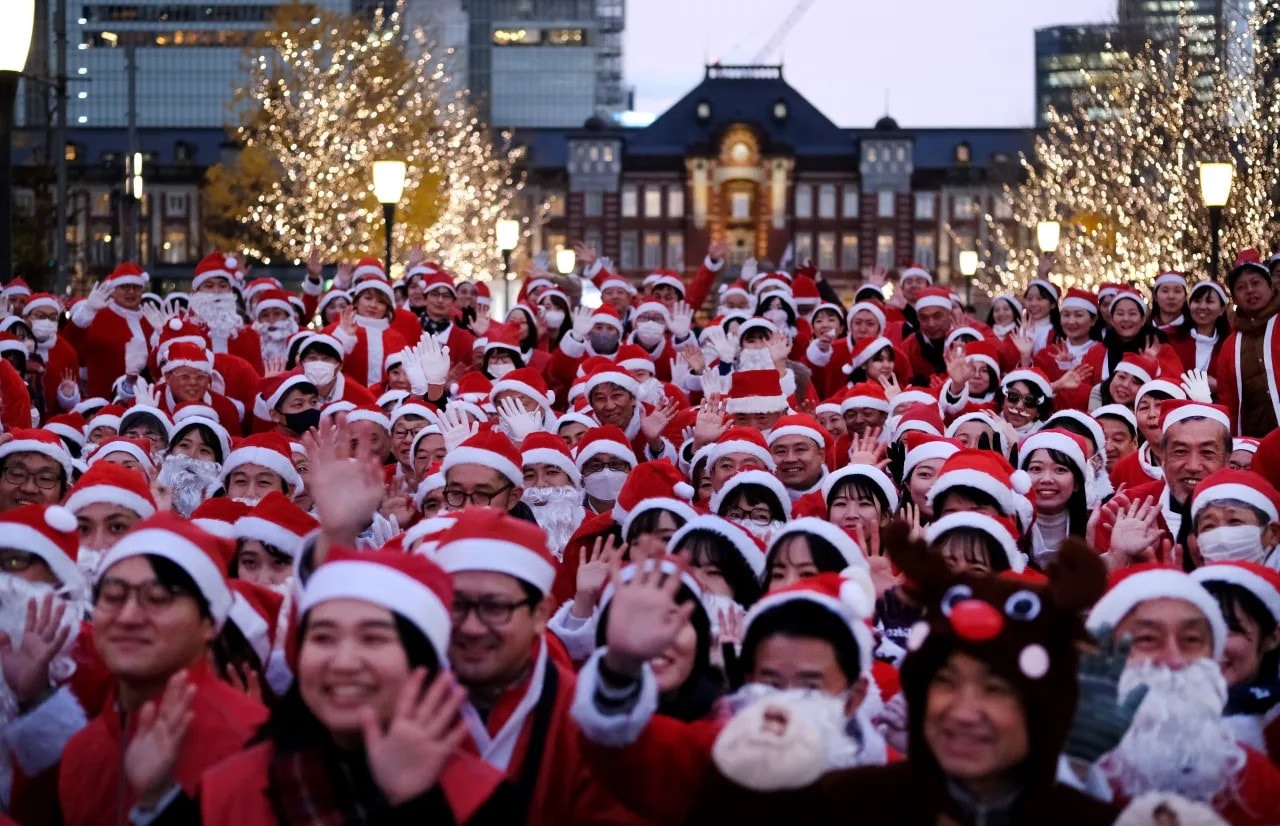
x=132, y=223
x=61, y=265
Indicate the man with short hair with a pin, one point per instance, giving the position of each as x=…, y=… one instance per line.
x=925, y=348
x=738, y=448
x=1235, y=517
x=799, y=445
x=485, y=471
x=1246, y=367
x=104, y=323
x=552, y=487
x=614, y=399
x=35, y=468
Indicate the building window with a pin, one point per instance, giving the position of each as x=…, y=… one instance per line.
x=827, y=201
x=70, y=153
x=963, y=153
x=964, y=206
x=1002, y=209
x=593, y=204
x=175, y=205
x=849, y=252
x=804, y=201
x=871, y=154
x=675, y=251
x=851, y=202
x=627, y=253
x=804, y=247
x=555, y=206
x=517, y=37
x=926, y=206
x=101, y=205
x=884, y=250
x=630, y=201
x=675, y=202
x=884, y=204
x=827, y=250
x=925, y=253
x=653, y=202
x=901, y=154
x=740, y=206
x=652, y=250
x=591, y=237
x=553, y=242
x=174, y=248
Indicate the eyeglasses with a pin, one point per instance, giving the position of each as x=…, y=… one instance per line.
x=457, y=498
x=491, y=612
x=15, y=562
x=1026, y=400
x=17, y=476
x=406, y=432
x=152, y=595
x=748, y=516
x=595, y=466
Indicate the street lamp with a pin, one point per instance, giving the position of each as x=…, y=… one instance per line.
x=566, y=260
x=17, y=20
x=1215, y=189
x=388, y=186
x=1047, y=234
x=968, y=268
x=507, y=233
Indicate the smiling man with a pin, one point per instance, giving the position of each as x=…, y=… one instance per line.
x=107, y=320
x=799, y=445
x=35, y=468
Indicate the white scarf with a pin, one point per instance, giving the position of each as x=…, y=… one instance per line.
x=1204, y=348
x=498, y=749
x=1149, y=467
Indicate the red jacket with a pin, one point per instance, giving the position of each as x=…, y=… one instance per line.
x=366, y=355
x=60, y=358
x=101, y=342
x=243, y=344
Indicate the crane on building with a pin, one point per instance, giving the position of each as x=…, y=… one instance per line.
x=780, y=34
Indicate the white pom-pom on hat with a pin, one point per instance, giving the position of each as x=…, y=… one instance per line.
x=1020, y=481
x=847, y=368
x=230, y=261
x=551, y=397
x=857, y=591
x=175, y=324
x=684, y=490
x=60, y=519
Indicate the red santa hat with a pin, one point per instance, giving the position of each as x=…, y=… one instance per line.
x=1078, y=299
x=37, y=440
x=542, y=448
x=157, y=417
x=999, y=528
x=218, y=516
x=127, y=274
x=1259, y=580
x=483, y=298
x=865, y=350
x=255, y=612
x=1108, y=288
x=278, y=522
x=378, y=285
x=439, y=280
x=16, y=287
x=269, y=450
x=805, y=289
x=329, y=297
x=1174, y=411
x=655, y=485
x=867, y=473
x=1245, y=443
x=408, y=585
x=756, y=391
x=9, y=343
x=424, y=537
x=752, y=476
x=576, y=416
x=1130, y=587
x=800, y=424
x=187, y=419
x=424, y=411
x=70, y=426
x=1117, y=411
x=916, y=270
x=922, y=447
x=845, y=544
x=272, y=299
x=48, y=531
x=605, y=280
x=985, y=471
x=258, y=286
x=741, y=440
x=491, y=449
x=1211, y=286
x=1130, y=294
x=604, y=440
x=606, y=314
x=984, y=353
x=108, y=415
x=1164, y=386
x=737, y=539
x=471, y=387
x=113, y=484
x=369, y=413
x=1032, y=376
x=186, y=354
x=201, y=554
x=368, y=267
x=870, y=307
x=1048, y=286
x=933, y=297
x=1071, y=446
x=214, y=265
x=432, y=481
x=869, y=395
x=916, y=395
x=971, y=334
x=485, y=539
x=633, y=357
x=848, y=595
x=611, y=374
x=276, y=387
x=920, y=418
x=175, y=330
x=1170, y=277
x=527, y=382
x=41, y=301
x=1236, y=485
x=736, y=288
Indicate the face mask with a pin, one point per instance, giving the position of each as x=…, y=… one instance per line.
x=303, y=420
x=319, y=373
x=650, y=391
x=761, y=532
x=44, y=329
x=604, y=485
x=778, y=317
x=500, y=370
x=251, y=501
x=650, y=333
x=1231, y=543
x=603, y=342
x=554, y=318
x=715, y=604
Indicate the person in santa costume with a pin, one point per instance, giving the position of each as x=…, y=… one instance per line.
x=260, y=464
x=1130, y=332
x=366, y=333
x=1246, y=373
x=188, y=377
x=552, y=488
x=35, y=468
x=216, y=308
x=232, y=376
x=1235, y=517
x=107, y=501
x=1178, y=740
x=389, y=755
x=268, y=540
x=1144, y=464
x=1078, y=346
x=441, y=296
x=613, y=396
x=924, y=348
x=109, y=329
x=275, y=323
x=192, y=467
x=1243, y=449
x=1199, y=342
x=58, y=358
x=799, y=446
x=161, y=599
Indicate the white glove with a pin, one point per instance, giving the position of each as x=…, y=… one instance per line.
x=582, y=322
x=681, y=320
x=99, y=297
x=725, y=345
x=434, y=359
x=135, y=356
x=716, y=384
x=680, y=372
x=749, y=270
x=381, y=531
x=517, y=421
x=455, y=427
x=413, y=371
x=155, y=315
x=144, y=394
x=1195, y=383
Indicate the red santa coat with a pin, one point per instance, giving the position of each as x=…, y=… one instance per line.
x=566, y=790
x=1253, y=798
x=243, y=343
x=236, y=791
x=229, y=414
x=1078, y=398
x=1230, y=388
x=1185, y=346
x=58, y=359
x=366, y=354
x=91, y=785
x=406, y=323
x=101, y=342
x=15, y=399
x=829, y=378
x=1131, y=472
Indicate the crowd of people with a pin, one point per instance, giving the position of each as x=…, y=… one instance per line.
x=713, y=548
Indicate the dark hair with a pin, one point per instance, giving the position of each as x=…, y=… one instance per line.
x=1221, y=327
x=803, y=619
x=1077, y=509
x=206, y=435
x=860, y=487
x=825, y=556
x=516, y=357
x=1227, y=442
x=1235, y=600
x=647, y=522
x=840, y=321
x=755, y=334
x=232, y=653
x=277, y=555
x=135, y=417
x=1055, y=314
x=764, y=305
x=859, y=373
x=971, y=540
x=1043, y=411
x=530, y=339
x=1013, y=308
x=708, y=547
x=173, y=576
x=750, y=494
x=565, y=326
x=978, y=497
x=1072, y=425
x=1184, y=317
x=62, y=472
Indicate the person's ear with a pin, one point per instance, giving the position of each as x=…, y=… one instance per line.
x=1271, y=536
x=515, y=493
x=277, y=418
x=857, y=695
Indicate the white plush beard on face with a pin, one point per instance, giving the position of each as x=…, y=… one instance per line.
x=275, y=337
x=558, y=511
x=191, y=481
x=217, y=311
x=755, y=358
x=1178, y=741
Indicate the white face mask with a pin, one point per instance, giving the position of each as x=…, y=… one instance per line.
x=319, y=373
x=650, y=333
x=554, y=318
x=44, y=329
x=500, y=370
x=762, y=532
x=604, y=485
x=778, y=317
x=1232, y=543
x=651, y=391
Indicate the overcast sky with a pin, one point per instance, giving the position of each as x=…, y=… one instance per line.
x=942, y=62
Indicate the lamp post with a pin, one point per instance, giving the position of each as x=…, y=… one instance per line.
x=1047, y=235
x=507, y=233
x=17, y=20
x=1215, y=189
x=566, y=260
x=968, y=267
x=388, y=186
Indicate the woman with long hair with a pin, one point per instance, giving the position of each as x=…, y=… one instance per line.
x=1081, y=337
x=1170, y=312
x=1043, y=321
x=1005, y=315
x=1199, y=341
x=1062, y=479
x=1025, y=400
x=806, y=547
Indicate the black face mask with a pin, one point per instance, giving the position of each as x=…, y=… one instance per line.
x=303, y=420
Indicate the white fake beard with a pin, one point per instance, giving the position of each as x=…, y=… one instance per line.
x=755, y=358
x=1178, y=741
x=218, y=312
x=651, y=392
x=558, y=511
x=14, y=595
x=275, y=338
x=191, y=481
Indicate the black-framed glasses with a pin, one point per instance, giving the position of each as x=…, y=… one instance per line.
x=17, y=476
x=458, y=498
x=491, y=612
x=1025, y=399
x=152, y=595
x=402, y=432
x=747, y=516
x=596, y=465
